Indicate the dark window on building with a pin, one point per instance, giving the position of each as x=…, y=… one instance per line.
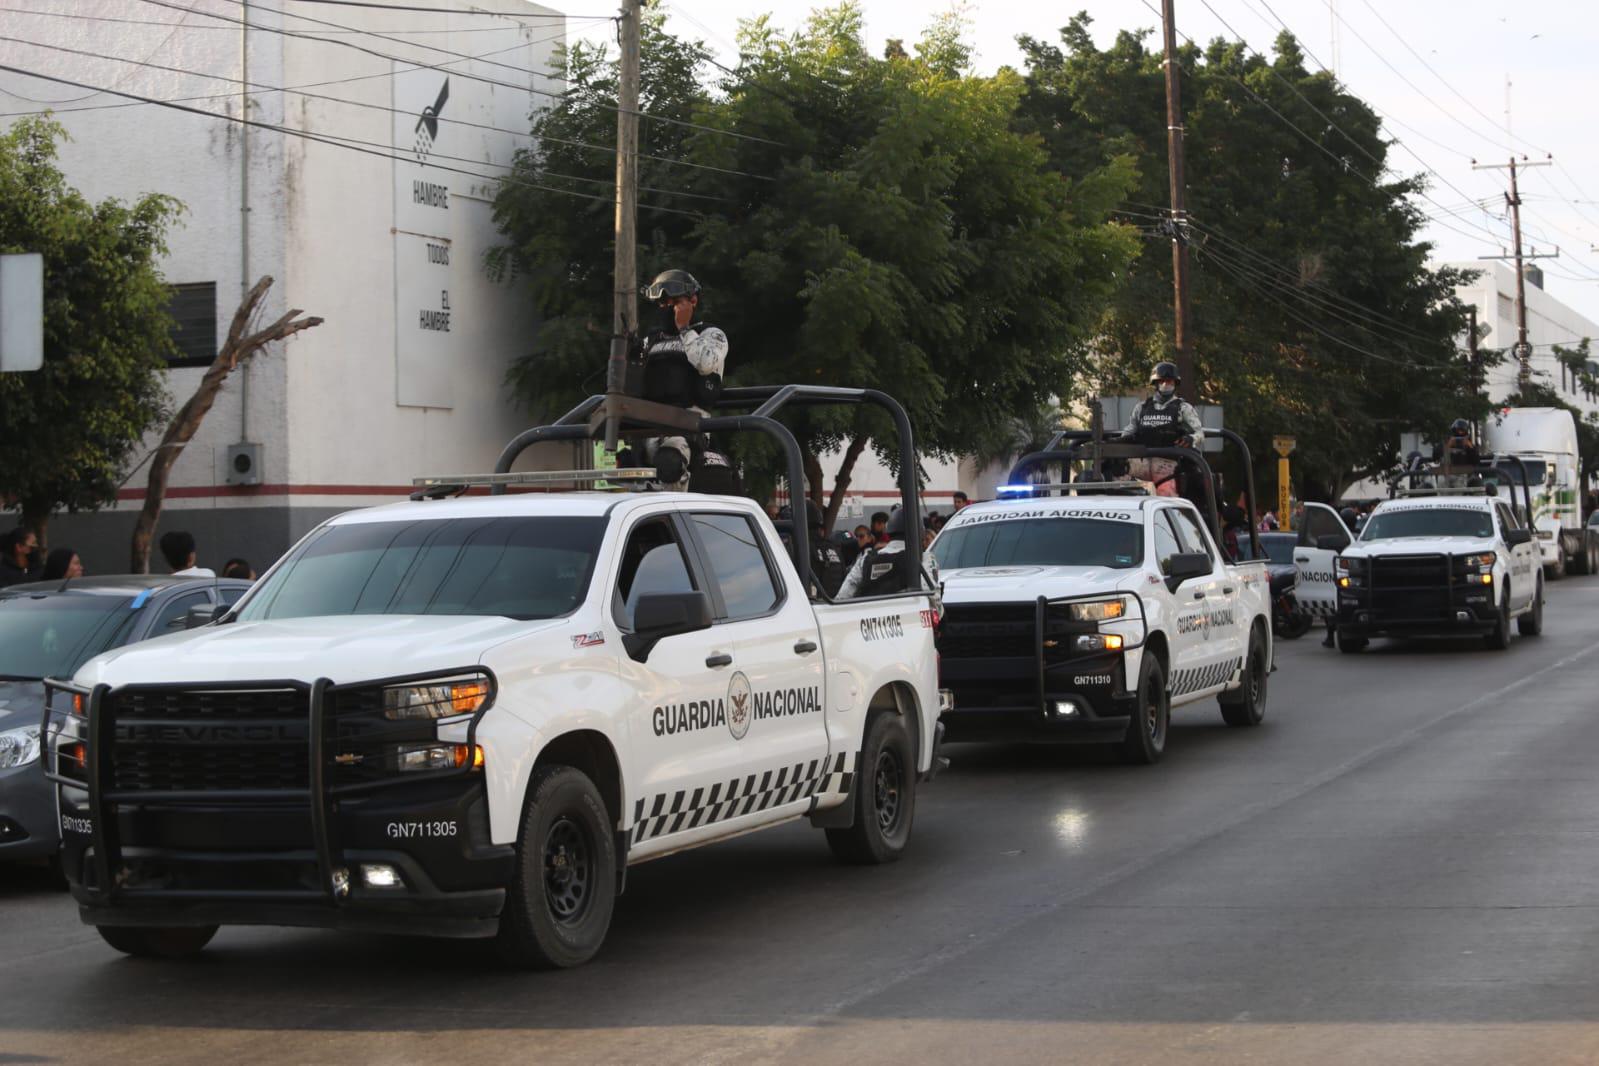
x=194, y=323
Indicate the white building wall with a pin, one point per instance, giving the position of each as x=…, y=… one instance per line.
x=1549, y=322
x=321, y=221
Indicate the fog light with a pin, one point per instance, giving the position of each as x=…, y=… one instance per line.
x=1065, y=709
x=381, y=875
x=1487, y=579
x=1462, y=616
x=1113, y=642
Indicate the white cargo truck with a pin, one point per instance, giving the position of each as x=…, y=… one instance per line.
x=1545, y=440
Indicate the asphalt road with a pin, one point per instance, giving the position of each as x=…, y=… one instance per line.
x=1401, y=865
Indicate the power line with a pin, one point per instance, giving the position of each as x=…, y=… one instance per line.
x=154, y=22
x=445, y=10
x=323, y=139
x=190, y=10
x=355, y=103
x=435, y=48
x=1342, y=162
x=1463, y=99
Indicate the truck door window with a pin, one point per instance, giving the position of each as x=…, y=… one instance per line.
x=1320, y=522
x=652, y=564
x=738, y=565
x=1194, y=539
x=1166, y=543
x=1507, y=518
x=175, y=613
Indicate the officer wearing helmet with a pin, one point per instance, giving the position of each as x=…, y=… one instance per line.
x=880, y=569
x=682, y=361
x=827, y=562
x=1163, y=420
x=1459, y=450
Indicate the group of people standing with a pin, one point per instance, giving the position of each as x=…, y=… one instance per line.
x=21, y=561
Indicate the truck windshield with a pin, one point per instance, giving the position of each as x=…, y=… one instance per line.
x=1042, y=542
x=51, y=636
x=516, y=567
x=1429, y=522
x=1537, y=470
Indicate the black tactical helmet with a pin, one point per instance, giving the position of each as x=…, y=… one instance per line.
x=1459, y=427
x=812, y=512
x=1165, y=370
x=1349, y=515
x=896, y=524
x=671, y=283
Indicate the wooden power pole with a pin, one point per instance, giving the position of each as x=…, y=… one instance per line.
x=1523, y=350
x=624, y=313
x=1179, y=213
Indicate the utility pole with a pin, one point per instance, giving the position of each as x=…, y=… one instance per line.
x=1473, y=361
x=1179, y=213
x=624, y=312
x=1523, y=350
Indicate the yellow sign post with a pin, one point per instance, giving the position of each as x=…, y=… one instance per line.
x=1284, y=447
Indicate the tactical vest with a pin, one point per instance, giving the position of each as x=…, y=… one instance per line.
x=827, y=567
x=882, y=572
x=668, y=375
x=1159, y=426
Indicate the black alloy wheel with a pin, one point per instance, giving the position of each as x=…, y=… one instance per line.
x=1145, y=740
x=1246, y=705
x=1531, y=623
x=1499, y=638
x=883, y=792
x=563, y=884
x=568, y=872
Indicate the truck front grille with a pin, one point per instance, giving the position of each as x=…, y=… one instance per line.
x=183, y=740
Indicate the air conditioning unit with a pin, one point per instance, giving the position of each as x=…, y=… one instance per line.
x=244, y=464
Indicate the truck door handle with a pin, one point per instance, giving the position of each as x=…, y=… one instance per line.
x=721, y=658
x=804, y=647
x=1199, y=595
x=1301, y=558
x=1229, y=590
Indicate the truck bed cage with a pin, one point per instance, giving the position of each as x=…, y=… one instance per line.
x=1408, y=483
x=1090, y=446
x=644, y=418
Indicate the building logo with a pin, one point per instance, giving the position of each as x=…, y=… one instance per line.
x=739, y=711
x=427, y=127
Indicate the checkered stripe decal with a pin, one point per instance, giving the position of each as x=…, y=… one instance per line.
x=1185, y=681
x=689, y=809
x=1319, y=610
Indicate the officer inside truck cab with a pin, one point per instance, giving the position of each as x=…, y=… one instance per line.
x=683, y=360
x=880, y=569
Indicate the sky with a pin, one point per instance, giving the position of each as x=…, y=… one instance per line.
x=1444, y=117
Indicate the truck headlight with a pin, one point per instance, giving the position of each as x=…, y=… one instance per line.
x=443, y=698
x=1098, y=610
x=18, y=747
x=408, y=758
x=1484, y=559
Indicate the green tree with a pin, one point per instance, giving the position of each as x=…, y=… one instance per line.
x=876, y=222
x=1541, y=394
x=1314, y=311
x=68, y=430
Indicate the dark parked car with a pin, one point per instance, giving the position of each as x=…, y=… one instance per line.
x=49, y=629
x=1289, y=620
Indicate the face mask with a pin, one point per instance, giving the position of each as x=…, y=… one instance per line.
x=1165, y=392
x=669, y=319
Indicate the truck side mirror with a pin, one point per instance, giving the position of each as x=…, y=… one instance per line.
x=1514, y=537
x=1332, y=542
x=204, y=615
x=657, y=616
x=1184, y=565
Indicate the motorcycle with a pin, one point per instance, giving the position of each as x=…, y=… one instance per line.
x=1287, y=620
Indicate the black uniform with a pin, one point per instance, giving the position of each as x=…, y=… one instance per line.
x=827, y=564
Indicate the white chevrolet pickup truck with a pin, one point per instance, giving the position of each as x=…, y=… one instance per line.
x=1087, y=618
x=467, y=717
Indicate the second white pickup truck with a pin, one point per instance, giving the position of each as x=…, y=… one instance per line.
x=1088, y=618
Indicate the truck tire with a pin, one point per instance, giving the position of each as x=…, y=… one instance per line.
x=1582, y=558
x=157, y=942
x=1350, y=645
x=884, y=795
x=563, y=888
x=1531, y=623
x=1499, y=638
x=1145, y=740
x=1246, y=704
